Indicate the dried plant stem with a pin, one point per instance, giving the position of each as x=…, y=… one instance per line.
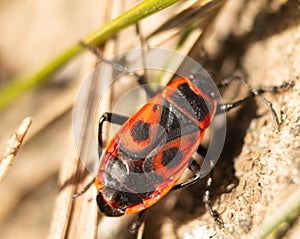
x=13, y=146
x=17, y=86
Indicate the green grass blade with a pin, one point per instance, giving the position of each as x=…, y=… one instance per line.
x=282, y=214
x=15, y=87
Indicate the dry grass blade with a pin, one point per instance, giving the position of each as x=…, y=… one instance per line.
x=141, y=231
x=184, y=30
x=191, y=15
x=78, y=218
x=63, y=204
x=69, y=213
x=13, y=147
x=84, y=210
x=73, y=218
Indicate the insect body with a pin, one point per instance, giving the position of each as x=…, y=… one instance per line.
x=150, y=152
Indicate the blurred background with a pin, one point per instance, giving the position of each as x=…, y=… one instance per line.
x=258, y=170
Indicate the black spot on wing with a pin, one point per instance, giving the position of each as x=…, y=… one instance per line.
x=140, y=131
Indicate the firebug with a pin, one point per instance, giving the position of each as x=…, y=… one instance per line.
x=148, y=155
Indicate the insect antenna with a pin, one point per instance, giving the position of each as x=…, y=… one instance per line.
x=139, y=78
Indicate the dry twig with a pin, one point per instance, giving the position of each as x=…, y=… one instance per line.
x=13, y=146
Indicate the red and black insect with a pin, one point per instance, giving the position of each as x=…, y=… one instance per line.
x=148, y=155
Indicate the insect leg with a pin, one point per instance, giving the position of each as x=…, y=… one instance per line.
x=207, y=200
x=86, y=187
x=254, y=93
x=138, y=222
x=195, y=168
x=111, y=118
